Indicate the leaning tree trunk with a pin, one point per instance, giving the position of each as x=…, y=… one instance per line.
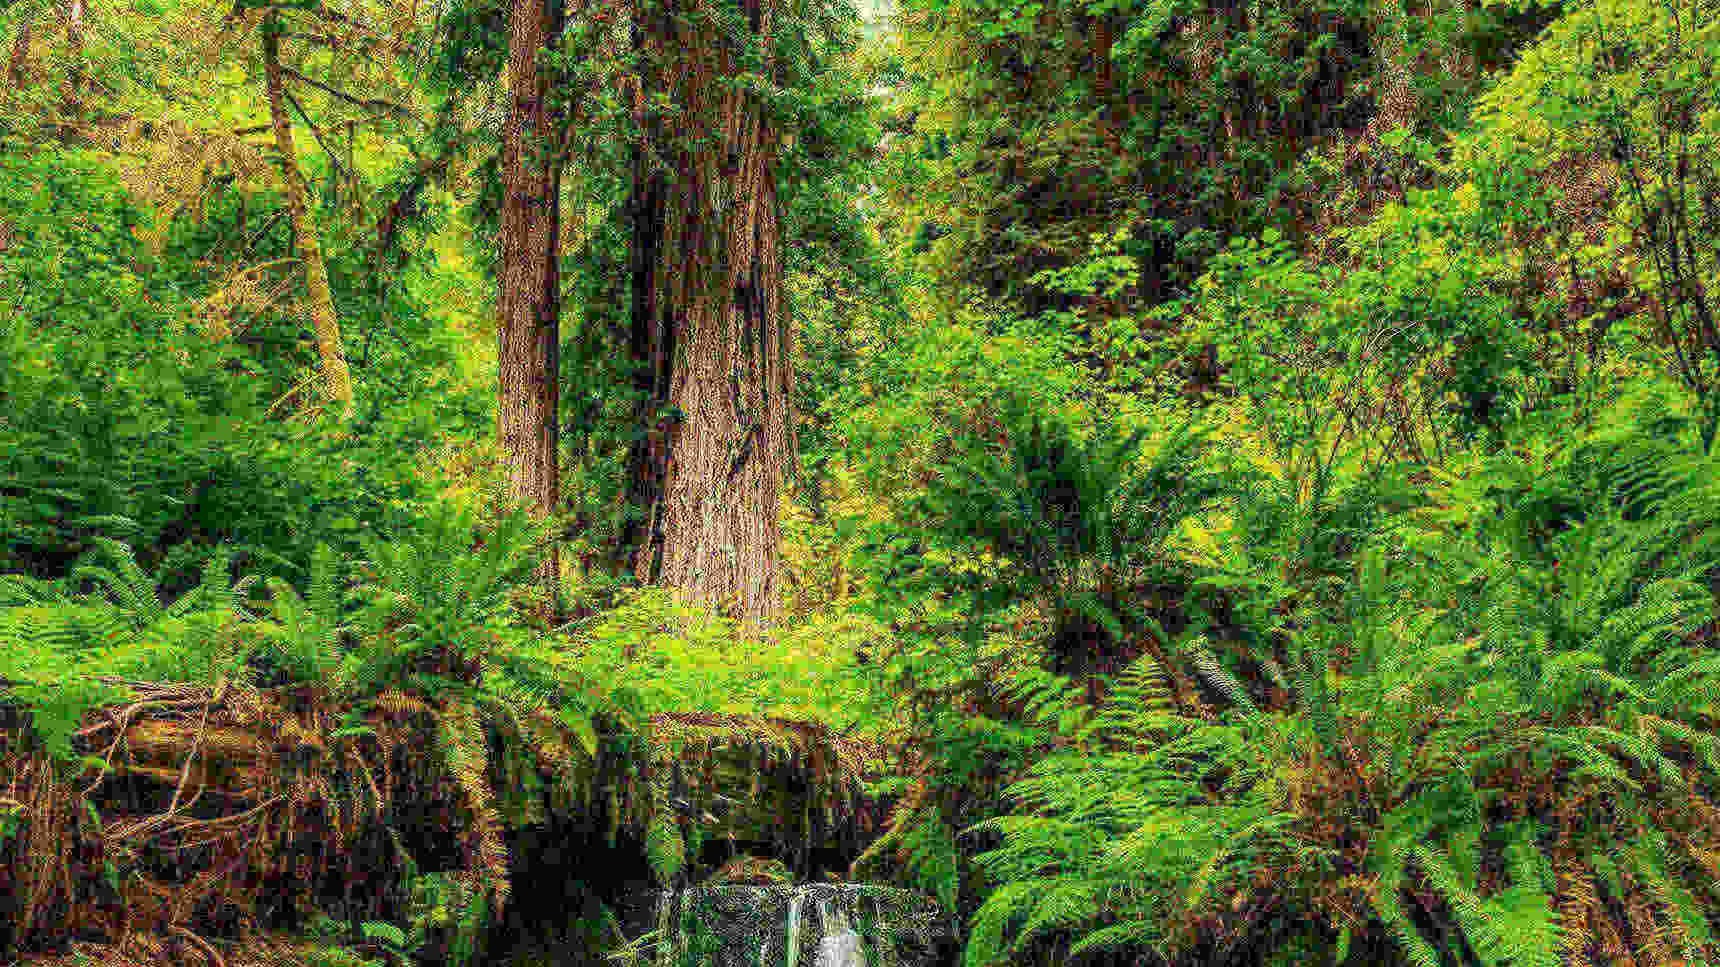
x=20, y=53
x=72, y=88
x=528, y=331
x=337, y=380
x=16, y=68
x=709, y=336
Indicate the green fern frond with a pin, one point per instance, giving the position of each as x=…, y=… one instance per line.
x=388, y=933
x=988, y=932
x=1635, y=750
x=20, y=590
x=1216, y=675
x=1064, y=905
x=665, y=848
x=1140, y=932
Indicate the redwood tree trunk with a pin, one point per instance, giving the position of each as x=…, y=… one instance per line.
x=528, y=329
x=709, y=336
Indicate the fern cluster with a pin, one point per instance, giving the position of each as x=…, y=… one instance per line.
x=1504, y=751
x=1071, y=522
x=423, y=631
x=63, y=651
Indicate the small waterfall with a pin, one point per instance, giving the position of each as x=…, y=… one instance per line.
x=791, y=951
x=840, y=945
x=813, y=925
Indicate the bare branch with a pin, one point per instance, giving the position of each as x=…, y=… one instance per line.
x=369, y=104
x=316, y=135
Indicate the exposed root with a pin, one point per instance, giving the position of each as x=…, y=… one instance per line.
x=205, y=802
x=201, y=944
x=149, y=950
x=202, y=814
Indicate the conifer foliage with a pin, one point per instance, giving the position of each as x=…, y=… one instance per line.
x=1178, y=482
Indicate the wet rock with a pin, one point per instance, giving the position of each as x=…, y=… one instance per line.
x=814, y=925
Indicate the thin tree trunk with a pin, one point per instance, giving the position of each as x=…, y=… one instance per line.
x=20, y=55
x=337, y=380
x=72, y=90
x=528, y=330
x=1102, y=38
x=15, y=69
x=709, y=334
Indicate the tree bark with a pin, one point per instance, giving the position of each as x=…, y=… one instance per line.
x=528, y=329
x=709, y=336
x=72, y=90
x=20, y=54
x=1102, y=38
x=337, y=379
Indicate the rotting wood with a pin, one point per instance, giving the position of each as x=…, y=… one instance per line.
x=272, y=803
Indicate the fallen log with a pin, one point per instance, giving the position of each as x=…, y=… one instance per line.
x=222, y=812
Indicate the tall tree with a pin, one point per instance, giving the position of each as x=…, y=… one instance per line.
x=72, y=90
x=529, y=329
x=20, y=53
x=337, y=380
x=708, y=332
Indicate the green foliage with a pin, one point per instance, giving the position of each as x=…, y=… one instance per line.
x=130, y=415
x=1556, y=662
x=1041, y=529
x=332, y=956
x=306, y=633
x=1396, y=356
x=1453, y=732
x=1258, y=467
x=434, y=603
x=439, y=905
x=1220, y=110
x=665, y=847
x=1076, y=526
x=63, y=653
x=668, y=656
x=1118, y=839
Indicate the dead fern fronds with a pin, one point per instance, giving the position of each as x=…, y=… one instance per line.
x=230, y=794
x=465, y=750
x=1648, y=934
x=169, y=166
x=249, y=291
x=1577, y=901
x=401, y=705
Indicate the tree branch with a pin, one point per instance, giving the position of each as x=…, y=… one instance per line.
x=316, y=135
x=369, y=104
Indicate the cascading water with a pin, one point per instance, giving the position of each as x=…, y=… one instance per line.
x=791, y=947
x=840, y=945
x=817, y=925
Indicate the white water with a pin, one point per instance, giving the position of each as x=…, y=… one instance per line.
x=791, y=954
x=840, y=945
x=736, y=924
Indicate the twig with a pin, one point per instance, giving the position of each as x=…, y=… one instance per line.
x=196, y=746
x=202, y=945
x=316, y=134
x=369, y=104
